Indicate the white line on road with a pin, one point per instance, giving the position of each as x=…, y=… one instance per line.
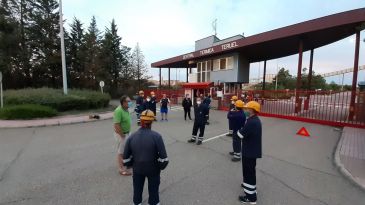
x=212, y=138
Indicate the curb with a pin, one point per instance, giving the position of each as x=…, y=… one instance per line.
x=75, y=119
x=342, y=168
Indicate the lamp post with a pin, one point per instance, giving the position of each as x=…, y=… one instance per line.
x=64, y=74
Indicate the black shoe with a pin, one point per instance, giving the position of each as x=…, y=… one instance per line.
x=231, y=153
x=229, y=135
x=207, y=123
x=235, y=159
x=246, y=200
x=199, y=142
x=191, y=141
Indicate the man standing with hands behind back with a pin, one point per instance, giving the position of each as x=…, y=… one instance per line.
x=122, y=126
x=187, y=104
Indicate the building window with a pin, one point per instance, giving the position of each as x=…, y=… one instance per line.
x=209, y=65
x=216, y=64
x=222, y=64
x=230, y=63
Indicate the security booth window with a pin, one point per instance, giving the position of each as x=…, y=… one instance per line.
x=223, y=64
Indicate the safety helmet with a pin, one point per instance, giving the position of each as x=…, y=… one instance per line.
x=239, y=104
x=152, y=93
x=141, y=92
x=234, y=98
x=147, y=115
x=253, y=105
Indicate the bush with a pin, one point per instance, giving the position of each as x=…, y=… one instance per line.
x=26, y=111
x=54, y=98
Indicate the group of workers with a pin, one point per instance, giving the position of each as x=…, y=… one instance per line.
x=145, y=152
x=150, y=103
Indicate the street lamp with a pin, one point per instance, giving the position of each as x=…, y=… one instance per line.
x=64, y=74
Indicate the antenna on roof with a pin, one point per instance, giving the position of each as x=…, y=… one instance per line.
x=214, y=25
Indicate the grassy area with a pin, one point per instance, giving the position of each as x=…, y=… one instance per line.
x=34, y=103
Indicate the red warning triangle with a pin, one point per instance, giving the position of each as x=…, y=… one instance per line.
x=303, y=132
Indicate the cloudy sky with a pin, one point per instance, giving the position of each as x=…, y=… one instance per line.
x=167, y=28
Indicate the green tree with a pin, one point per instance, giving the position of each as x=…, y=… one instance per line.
x=45, y=43
x=112, y=56
x=91, y=51
x=75, y=53
x=139, y=67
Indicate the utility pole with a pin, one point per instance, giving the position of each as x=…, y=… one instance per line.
x=276, y=78
x=64, y=74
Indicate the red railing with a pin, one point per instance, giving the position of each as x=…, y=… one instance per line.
x=323, y=107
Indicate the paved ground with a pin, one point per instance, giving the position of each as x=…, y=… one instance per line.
x=75, y=164
x=351, y=154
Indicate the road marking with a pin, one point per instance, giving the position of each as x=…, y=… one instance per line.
x=212, y=138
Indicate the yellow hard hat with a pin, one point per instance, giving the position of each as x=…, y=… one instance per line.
x=141, y=92
x=152, y=93
x=234, y=98
x=147, y=115
x=253, y=105
x=239, y=104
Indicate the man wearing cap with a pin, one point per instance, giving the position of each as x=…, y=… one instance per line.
x=153, y=103
x=122, y=126
x=187, y=104
x=145, y=152
x=251, y=135
x=231, y=108
x=201, y=114
x=207, y=100
x=139, y=105
x=237, y=120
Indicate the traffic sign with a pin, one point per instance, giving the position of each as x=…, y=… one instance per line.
x=102, y=84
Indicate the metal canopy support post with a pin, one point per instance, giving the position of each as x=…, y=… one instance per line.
x=160, y=76
x=310, y=70
x=169, y=79
x=187, y=75
x=299, y=78
x=264, y=78
x=354, y=77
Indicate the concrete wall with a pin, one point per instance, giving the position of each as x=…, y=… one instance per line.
x=226, y=75
x=205, y=42
x=244, y=69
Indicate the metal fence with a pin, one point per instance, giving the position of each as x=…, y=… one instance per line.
x=323, y=107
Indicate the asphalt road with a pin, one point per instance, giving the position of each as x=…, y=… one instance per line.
x=75, y=164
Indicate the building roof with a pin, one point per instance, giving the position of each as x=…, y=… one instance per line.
x=279, y=42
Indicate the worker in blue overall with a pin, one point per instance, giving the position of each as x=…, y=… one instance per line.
x=237, y=120
x=201, y=114
x=145, y=152
x=231, y=107
x=153, y=103
x=139, y=105
x=251, y=135
x=207, y=100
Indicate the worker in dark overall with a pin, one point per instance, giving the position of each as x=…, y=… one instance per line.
x=231, y=108
x=207, y=102
x=153, y=103
x=139, y=105
x=237, y=120
x=145, y=152
x=201, y=114
x=147, y=104
x=187, y=104
x=251, y=135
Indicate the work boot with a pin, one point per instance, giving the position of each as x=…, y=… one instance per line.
x=246, y=200
x=199, y=142
x=191, y=141
x=229, y=135
x=231, y=153
x=235, y=159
